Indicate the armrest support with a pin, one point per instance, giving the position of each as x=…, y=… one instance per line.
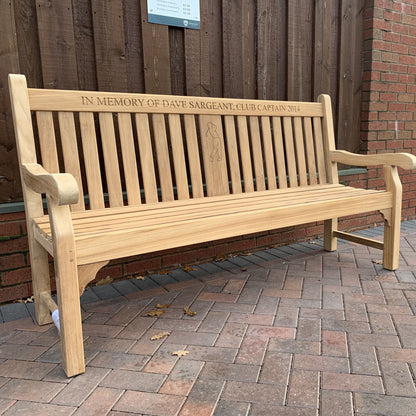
x=402, y=160
x=61, y=187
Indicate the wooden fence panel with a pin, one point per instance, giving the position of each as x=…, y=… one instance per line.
x=57, y=44
x=9, y=62
x=134, y=48
x=266, y=49
x=156, y=55
x=268, y=58
x=28, y=41
x=350, y=70
x=109, y=45
x=84, y=45
x=239, y=49
x=300, y=46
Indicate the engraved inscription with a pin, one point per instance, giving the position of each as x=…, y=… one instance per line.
x=186, y=104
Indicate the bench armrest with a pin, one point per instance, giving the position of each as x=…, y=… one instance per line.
x=61, y=187
x=402, y=160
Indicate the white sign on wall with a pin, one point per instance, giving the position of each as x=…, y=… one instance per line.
x=182, y=13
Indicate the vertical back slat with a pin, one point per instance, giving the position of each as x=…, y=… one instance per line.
x=310, y=151
x=193, y=156
x=279, y=152
x=290, y=151
x=257, y=153
x=146, y=158
x=70, y=153
x=320, y=157
x=162, y=153
x=128, y=152
x=245, y=153
x=178, y=154
x=112, y=171
x=268, y=153
x=232, y=151
x=47, y=141
x=213, y=154
x=328, y=138
x=91, y=160
x=300, y=151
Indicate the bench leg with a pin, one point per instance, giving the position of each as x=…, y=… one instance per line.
x=391, y=242
x=392, y=220
x=330, y=241
x=41, y=281
x=66, y=272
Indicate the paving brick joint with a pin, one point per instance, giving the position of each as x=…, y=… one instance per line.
x=292, y=331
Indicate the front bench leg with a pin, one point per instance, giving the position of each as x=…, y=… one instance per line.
x=392, y=219
x=330, y=241
x=67, y=289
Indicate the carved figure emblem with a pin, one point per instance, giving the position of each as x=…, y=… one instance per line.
x=214, y=141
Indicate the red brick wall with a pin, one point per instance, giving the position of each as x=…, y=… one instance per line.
x=387, y=124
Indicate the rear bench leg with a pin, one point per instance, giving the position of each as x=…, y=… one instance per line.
x=66, y=272
x=330, y=241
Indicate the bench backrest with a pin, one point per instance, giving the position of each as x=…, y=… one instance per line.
x=140, y=148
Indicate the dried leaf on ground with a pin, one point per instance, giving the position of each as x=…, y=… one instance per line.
x=104, y=281
x=221, y=257
x=164, y=272
x=155, y=312
x=162, y=305
x=190, y=269
x=140, y=278
x=243, y=269
x=180, y=353
x=30, y=299
x=377, y=261
x=189, y=312
x=160, y=336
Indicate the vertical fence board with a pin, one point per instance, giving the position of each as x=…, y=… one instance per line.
x=350, y=76
x=9, y=173
x=326, y=47
x=28, y=41
x=156, y=55
x=203, y=53
x=84, y=45
x=57, y=44
x=267, y=62
x=299, y=74
x=239, y=49
x=134, y=48
x=178, y=71
x=109, y=44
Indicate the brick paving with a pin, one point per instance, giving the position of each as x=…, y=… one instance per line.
x=292, y=331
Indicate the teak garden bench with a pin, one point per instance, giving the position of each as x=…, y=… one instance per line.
x=176, y=171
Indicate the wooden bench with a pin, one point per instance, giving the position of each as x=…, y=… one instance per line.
x=177, y=171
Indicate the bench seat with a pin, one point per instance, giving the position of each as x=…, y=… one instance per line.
x=121, y=232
